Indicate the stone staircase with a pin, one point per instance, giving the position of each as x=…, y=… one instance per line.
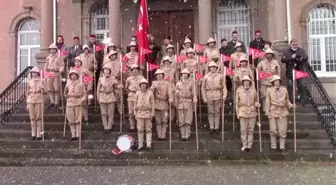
x=313, y=143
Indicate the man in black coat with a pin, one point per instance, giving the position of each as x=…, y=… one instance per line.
x=258, y=42
x=232, y=43
x=225, y=50
x=73, y=51
x=294, y=57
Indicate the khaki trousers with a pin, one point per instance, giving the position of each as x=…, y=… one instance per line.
x=278, y=127
x=53, y=86
x=214, y=113
x=107, y=114
x=130, y=105
x=263, y=91
x=161, y=120
x=144, y=125
x=185, y=119
x=35, y=114
x=246, y=131
x=73, y=114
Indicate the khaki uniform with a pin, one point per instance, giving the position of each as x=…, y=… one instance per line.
x=269, y=67
x=75, y=94
x=213, y=90
x=132, y=59
x=107, y=100
x=277, y=104
x=246, y=100
x=117, y=94
x=212, y=54
x=186, y=95
x=162, y=94
x=235, y=57
x=34, y=102
x=144, y=108
x=132, y=86
x=190, y=64
x=239, y=73
x=169, y=71
x=219, y=64
x=184, y=51
x=56, y=65
x=115, y=67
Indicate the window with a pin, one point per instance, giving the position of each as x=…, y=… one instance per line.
x=233, y=15
x=28, y=44
x=322, y=39
x=100, y=21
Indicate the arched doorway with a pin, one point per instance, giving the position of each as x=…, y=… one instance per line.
x=322, y=39
x=99, y=21
x=28, y=44
x=233, y=15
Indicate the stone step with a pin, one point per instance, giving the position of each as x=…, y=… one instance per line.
x=53, y=126
x=58, y=117
x=202, y=134
x=204, y=145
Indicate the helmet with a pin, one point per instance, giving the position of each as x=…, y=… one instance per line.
x=86, y=47
x=190, y=50
x=185, y=71
x=213, y=64
x=187, y=41
x=133, y=43
x=247, y=78
x=35, y=70
x=111, y=44
x=238, y=44
x=269, y=51
x=107, y=66
x=112, y=52
x=210, y=40
x=143, y=81
x=159, y=71
x=53, y=46
x=78, y=59
x=275, y=77
x=134, y=66
x=242, y=59
x=170, y=46
x=73, y=71
x=167, y=58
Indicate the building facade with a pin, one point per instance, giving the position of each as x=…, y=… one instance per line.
x=27, y=27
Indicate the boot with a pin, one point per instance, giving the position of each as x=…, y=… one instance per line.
x=149, y=140
x=282, y=143
x=78, y=130
x=110, y=122
x=140, y=140
x=159, y=130
x=164, y=130
x=38, y=129
x=273, y=142
x=104, y=120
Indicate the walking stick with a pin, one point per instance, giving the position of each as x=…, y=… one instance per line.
x=259, y=120
x=64, y=127
x=42, y=104
x=223, y=108
x=121, y=93
x=80, y=128
x=233, y=106
x=196, y=127
x=294, y=85
x=61, y=95
x=94, y=75
x=170, y=125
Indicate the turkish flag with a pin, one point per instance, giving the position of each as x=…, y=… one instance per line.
x=299, y=74
x=198, y=75
x=124, y=67
x=202, y=59
x=86, y=79
x=228, y=71
x=225, y=58
x=45, y=74
x=98, y=47
x=262, y=75
x=151, y=67
x=142, y=29
x=167, y=78
x=198, y=47
x=146, y=51
x=63, y=53
x=124, y=58
x=181, y=58
x=255, y=53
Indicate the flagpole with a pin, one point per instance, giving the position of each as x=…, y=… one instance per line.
x=294, y=84
x=200, y=94
x=121, y=93
x=80, y=128
x=258, y=99
x=94, y=74
x=170, y=126
x=197, y=144
x=223, y=104
x=42, y=110
x=61, y=94
x=176, y=62
x=233, y=106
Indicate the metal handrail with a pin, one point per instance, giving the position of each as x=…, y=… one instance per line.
x=321, y=102
x=13, y=95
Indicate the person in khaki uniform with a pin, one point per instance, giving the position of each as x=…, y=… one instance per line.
x=246, y=103
x=117, y=94
x=268, y=65
x=89, y=65
x=186, y=96
x=132, y=56
x=276, y=107
x=75, y=95
x=105, y=95
x=56, y=65
x=213, y=93
x=163, y=99
x=132, y=86
x=190, y=63
x=110, y=47
x=114, y=63
x=235, y=57
x=144, y=109
x=211, y=52
x=34, y=103
x=241, y=71
x=186, y=46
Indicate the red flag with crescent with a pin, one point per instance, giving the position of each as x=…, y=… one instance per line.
x=228, y=71
x=262, y=75
x=151, y=67
x=225, y=58
x=98, y=47
x=45, y=74
x=299, y=74
x=63, y=53
x=86, y=79
x=198, y=75
x=181, y=58
x=199, y=47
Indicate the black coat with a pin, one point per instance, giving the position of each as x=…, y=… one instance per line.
x=257, y=44
x=294, y=60
x=225, y=51
x=73, y=53
x=232, y=44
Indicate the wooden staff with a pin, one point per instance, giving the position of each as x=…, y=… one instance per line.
x=200, y=95
x=62, y=104
x=121, y=93
x=94, y=74
x=294, y=85
x=177, y=74
x=197, y=144
x=170, y=128
x=223, y=104
x=259, y=119
x=233, y=105
x=42, y=112
x=80, y=128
